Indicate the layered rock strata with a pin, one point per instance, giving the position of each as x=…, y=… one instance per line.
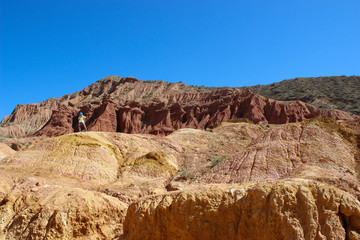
x=203, y=111
x=128, y=105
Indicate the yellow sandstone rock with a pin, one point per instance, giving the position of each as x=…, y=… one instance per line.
x=279, y=210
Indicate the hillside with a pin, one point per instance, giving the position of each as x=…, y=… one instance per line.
x=337, y=92
x=296, y=180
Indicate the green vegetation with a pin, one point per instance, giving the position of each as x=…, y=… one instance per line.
x=5, y=124
x=182, y=86
x=339, y=92
x=149, y=95
x=186, y=175
x=74, y=95
x=216, y=160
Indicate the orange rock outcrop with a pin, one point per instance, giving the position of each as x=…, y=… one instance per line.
x=278, y=210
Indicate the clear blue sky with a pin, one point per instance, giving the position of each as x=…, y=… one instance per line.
x=50, y=48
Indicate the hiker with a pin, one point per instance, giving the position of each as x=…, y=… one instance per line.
x=82, y=121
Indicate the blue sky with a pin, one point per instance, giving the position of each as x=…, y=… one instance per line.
x=49, y=48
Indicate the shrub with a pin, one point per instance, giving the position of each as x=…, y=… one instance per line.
x=184, y=174
x=216, y=160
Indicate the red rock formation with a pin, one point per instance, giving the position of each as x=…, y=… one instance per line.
x=160, y=108
x=104, y=117
x=129, y=119
x=60, y=123
x=161, y=117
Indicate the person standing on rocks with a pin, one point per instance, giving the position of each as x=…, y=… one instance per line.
x=82, y=121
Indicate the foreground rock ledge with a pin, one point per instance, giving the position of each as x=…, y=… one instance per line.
x=33, y=210
x=283, y=210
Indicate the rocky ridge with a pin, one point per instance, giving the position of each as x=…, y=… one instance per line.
x=128, y=105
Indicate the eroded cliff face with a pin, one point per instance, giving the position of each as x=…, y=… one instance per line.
x=203, y=111
x=128, y=105
x=28, y=118
x=278, y=210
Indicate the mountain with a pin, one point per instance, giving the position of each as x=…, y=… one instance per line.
x=337, y=92
x=129, y=105
x=200, y=163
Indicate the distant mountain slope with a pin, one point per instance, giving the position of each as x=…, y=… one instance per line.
x=129, y=105
x=340, y=92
